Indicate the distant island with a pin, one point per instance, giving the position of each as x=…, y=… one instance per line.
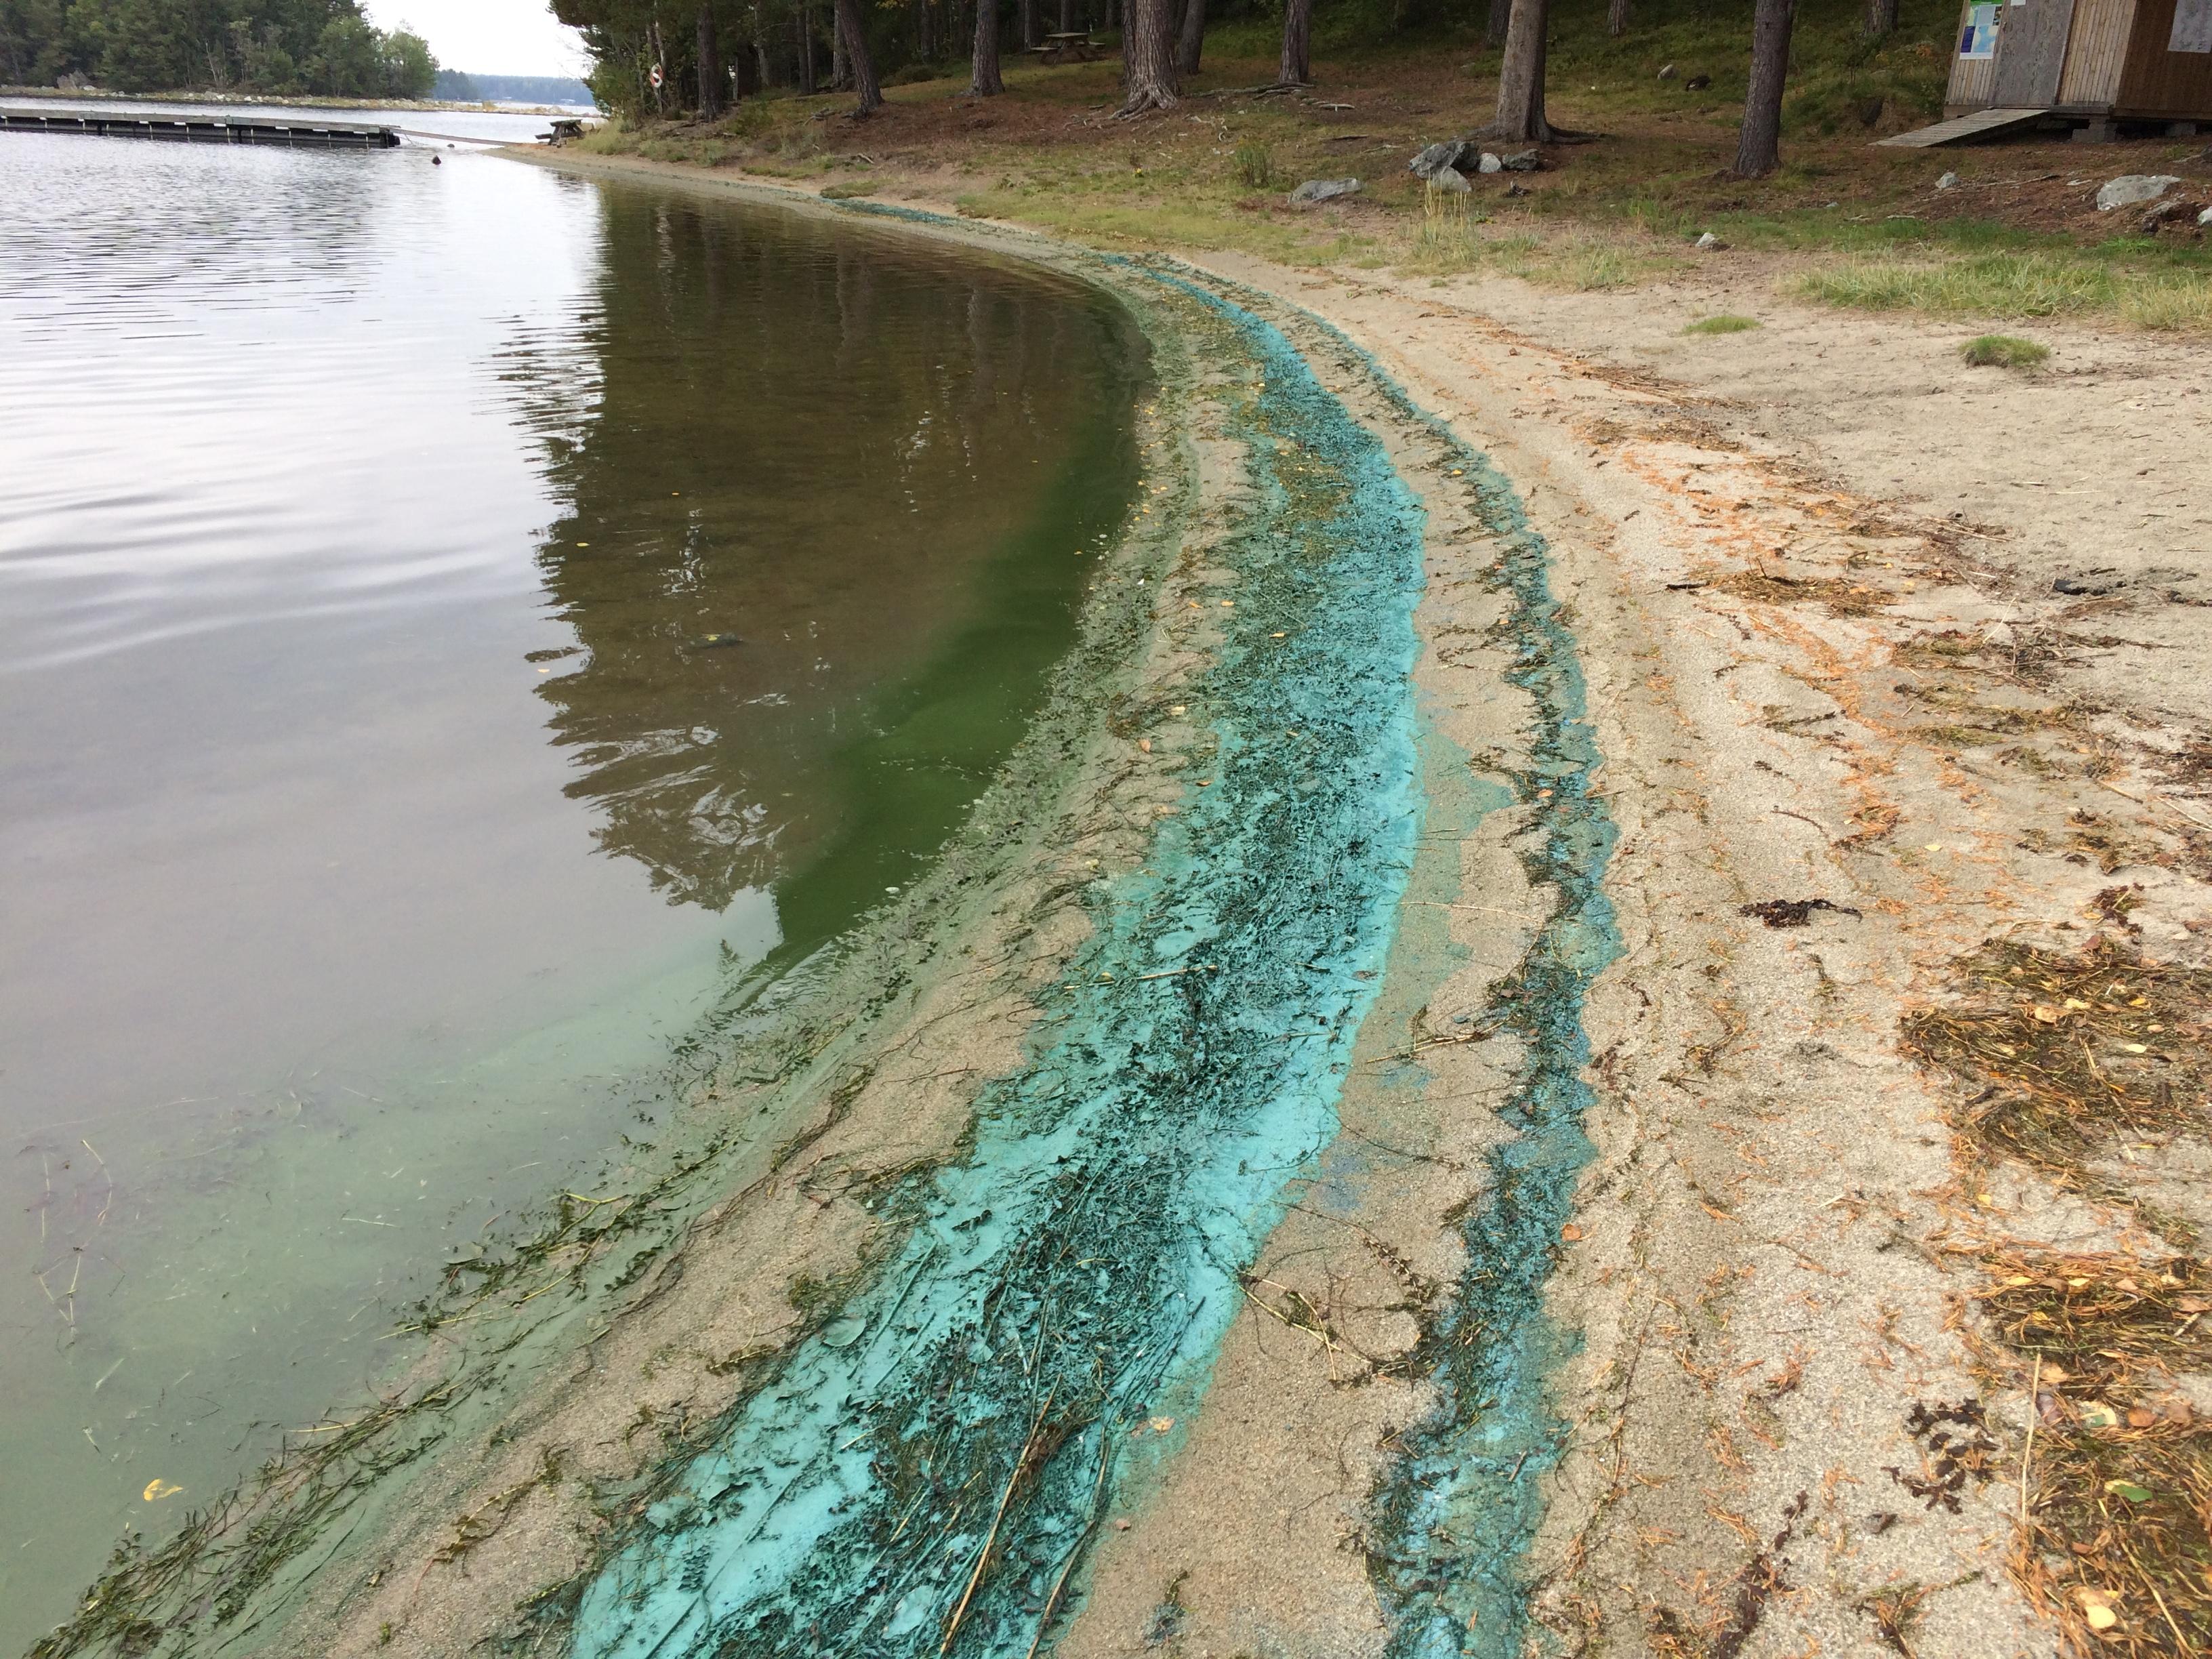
x=316, y=48
x=452, y=86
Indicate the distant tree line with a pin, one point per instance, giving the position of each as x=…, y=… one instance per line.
x=710, y=52
x=321, y=48
x=461, y=88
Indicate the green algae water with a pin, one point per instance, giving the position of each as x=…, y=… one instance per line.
x=451, y=621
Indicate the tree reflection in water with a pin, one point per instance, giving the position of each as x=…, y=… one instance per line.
x=825, y=488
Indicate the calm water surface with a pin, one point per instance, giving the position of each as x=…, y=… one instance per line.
x=451, y=619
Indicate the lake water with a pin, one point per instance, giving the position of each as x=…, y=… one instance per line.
x=453, y=620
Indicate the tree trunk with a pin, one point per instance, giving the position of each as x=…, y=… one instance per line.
x=1067, y=16
x=1759, y=146
x=752, y=68
x=1616, y=18
x=1493, y=27
x=868, y=95
x=713, y=85
x=1882, y=17
x=1029, y=37
x=805, y=17
x=840, y=73
x=1296, y=67
x=983, y=78
x=1194, y=37
x=1148, y=73
x=921, y=30
x=1521, y=76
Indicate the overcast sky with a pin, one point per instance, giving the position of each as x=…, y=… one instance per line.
x=490, y=37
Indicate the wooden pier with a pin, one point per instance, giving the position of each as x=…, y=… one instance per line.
x=211, y=129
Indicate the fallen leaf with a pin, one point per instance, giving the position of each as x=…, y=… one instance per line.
x=1570, y=1232
x=2097, y=1610
x=2046, y=1014
x=157, y=1489
x=2096, y=1414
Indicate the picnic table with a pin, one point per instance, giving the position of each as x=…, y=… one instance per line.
x=563, y=129
x=1076, y=46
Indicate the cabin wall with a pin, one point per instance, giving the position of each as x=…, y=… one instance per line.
x=2155, y=81
x=2091, y=79
x=1974, y=80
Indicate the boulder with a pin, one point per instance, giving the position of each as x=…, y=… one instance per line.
x=1522, y=161
x=1452, y=179
x=1324, y=190
x=1668, y=73
x=1489, y=163
x=2205, y=217
x=1949, y=181
x=1451, y=152
x=1708, y=242
x=2130, y=188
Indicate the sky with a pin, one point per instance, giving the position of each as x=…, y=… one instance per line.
x=489, y=37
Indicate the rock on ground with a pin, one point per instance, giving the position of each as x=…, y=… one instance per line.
x=2132, y=187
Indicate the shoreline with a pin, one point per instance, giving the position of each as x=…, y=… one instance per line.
x=1781, y=1221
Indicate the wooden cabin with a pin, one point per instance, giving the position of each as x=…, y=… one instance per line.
x=2102, y=62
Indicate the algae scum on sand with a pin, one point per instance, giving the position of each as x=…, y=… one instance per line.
x=932, y=1460
x=926, y=1472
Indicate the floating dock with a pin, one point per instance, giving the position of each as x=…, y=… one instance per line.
x=207, y=129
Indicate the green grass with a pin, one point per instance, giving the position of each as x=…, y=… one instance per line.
x=1724, y=324
x=1254, y=164
x=2039, y=284
x=2003, y=351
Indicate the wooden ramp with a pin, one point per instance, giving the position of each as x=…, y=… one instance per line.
x=1979, y=125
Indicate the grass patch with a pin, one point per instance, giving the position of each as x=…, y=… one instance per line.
x=2037, y=284
x=1446, y=240
x=1254, y=164
x=1724, y=324
x=2003, y=351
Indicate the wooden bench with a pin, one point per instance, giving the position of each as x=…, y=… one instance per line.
x=1077, y=48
